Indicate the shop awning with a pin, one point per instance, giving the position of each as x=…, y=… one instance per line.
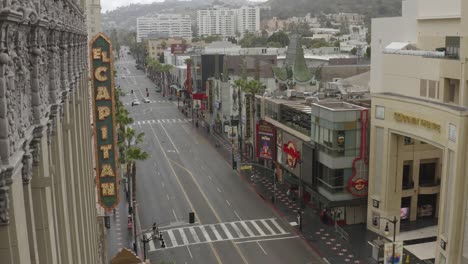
x=331, y=204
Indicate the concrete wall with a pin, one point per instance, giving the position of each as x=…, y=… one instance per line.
x=340, y=71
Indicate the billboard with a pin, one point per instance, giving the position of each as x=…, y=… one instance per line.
x=266, y=141
x=105, y=138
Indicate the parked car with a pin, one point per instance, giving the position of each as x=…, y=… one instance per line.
x=135, y=102
x=146, y=100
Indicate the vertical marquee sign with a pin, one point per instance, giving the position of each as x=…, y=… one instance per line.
x=105, y=138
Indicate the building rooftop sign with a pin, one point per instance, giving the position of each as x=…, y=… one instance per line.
x=105, y=138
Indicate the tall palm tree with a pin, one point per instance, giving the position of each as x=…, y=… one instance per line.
x=253, y=87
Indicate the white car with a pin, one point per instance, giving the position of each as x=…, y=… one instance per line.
x=135, y=102
x=146, y=100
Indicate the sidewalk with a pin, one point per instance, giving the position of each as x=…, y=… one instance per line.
x=119, y=236
x=321, y=237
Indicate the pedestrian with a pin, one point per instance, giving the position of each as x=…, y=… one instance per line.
x=288, y=193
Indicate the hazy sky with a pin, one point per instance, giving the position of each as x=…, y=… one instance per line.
x=107, y=5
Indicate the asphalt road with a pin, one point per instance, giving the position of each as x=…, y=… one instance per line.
x=185, y=173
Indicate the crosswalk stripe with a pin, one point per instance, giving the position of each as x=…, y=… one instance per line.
x=218, y=236
x=194, y=235
x=247, y=229
x=226, y=231
x=172, y=237
x=151, y=246
x=205, y=234
x=179, y=120
x=278, y=226
x=267, y=226
x=173, y=120
x=184, y=237
x=159, y=121
x=258, y=228
x=154, y=121
x=239, y=233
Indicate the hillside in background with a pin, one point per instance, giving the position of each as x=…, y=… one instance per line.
x=371, y=8
x=125, y=17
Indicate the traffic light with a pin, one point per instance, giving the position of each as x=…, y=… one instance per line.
x=191, y=217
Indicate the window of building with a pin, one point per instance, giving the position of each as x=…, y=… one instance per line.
x=427, y=172
x=407, y=180
x=331, y=179
x=452, y=46
x=451, y=90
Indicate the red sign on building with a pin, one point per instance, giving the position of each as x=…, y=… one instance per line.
x=178, y=48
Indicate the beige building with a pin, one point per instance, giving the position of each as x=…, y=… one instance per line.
x=47, y=187
x=156, y=46
x=419, y=127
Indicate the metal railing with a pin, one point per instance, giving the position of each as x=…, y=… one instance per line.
x=341, y=232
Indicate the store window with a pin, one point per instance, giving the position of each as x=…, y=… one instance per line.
x=331, y=179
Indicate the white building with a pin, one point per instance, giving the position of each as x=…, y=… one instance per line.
x=174, y=25
x=248, y=19
x=217, y=21
x=228, y=22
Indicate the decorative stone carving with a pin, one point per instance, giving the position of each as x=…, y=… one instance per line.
x=5, y=182
x=36, y=145
x=52, y=124
x=27, y=161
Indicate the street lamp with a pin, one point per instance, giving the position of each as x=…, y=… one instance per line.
x=234, y=164
x=387, y=231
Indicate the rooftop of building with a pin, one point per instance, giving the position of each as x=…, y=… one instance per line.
x=336, y=106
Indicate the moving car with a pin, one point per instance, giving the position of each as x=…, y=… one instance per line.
x=158, y=89
x=135, y=102
x=146, y=100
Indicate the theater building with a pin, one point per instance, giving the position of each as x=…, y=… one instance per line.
x=47, y=182
x=419, y=126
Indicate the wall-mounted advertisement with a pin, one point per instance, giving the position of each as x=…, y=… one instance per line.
x=266, y=141
x=105, y=138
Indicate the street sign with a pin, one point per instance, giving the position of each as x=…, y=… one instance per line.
x=246, y=167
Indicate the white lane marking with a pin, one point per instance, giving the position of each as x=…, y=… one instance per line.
x=167, y=196
x=177, y=220
x=237, y=215
x=184, y=237
x=210, y=178
x=261, y=248
x=278, y=226
x=162, y=183
x=194, y=235
x=266, y=239
x=218, y=189
x=216, y=233
x=267, y=226
x=239, y=233
x=258, y=228
x=226, y=231
x=170, y=139
x=246, y=227
x=205, y=234
x=228, y=203
x=190, y=253
x=172, y=238
x=151, y=245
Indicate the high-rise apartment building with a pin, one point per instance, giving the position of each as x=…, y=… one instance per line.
x=174, y=25
x=227, y=22
x=217, y=21
x=419, y=127
x=248, y=19
x=47, y=179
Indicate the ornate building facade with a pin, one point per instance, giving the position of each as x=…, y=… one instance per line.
x=47, y=188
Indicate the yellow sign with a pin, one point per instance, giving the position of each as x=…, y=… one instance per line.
x=246, y=167
x=399, y=117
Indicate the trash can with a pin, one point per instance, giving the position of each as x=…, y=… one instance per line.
x=377, y=249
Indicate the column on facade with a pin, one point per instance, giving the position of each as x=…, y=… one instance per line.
x=42, y=190
x=69, y=158
x=60, y=186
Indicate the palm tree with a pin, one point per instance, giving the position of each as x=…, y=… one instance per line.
x=253, y=87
